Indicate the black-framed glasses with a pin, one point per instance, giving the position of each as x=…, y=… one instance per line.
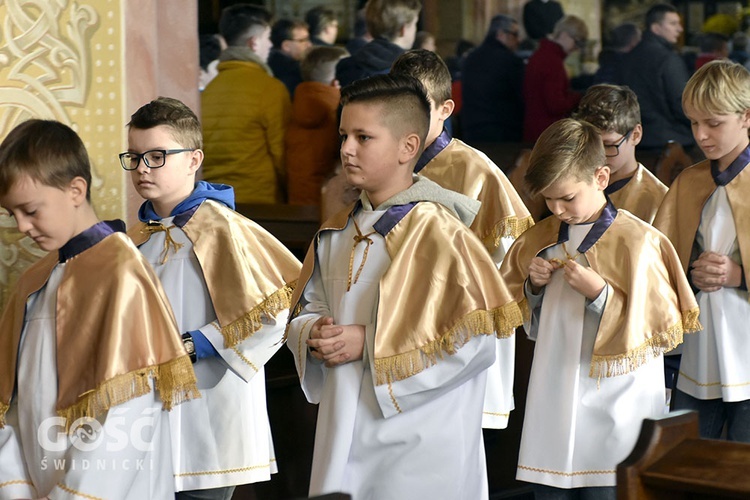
x=612, y=150
x=154, y=158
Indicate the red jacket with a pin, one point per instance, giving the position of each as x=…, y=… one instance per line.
x=546, y=90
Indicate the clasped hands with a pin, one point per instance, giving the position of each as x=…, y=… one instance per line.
x=712, y=271
x=336, y=344
x=580, y=278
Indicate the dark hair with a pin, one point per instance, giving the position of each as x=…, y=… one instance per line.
x=713, y=42
x=623, y=35
x=428, y=68
x=319, y=64
x=318, y=18
x=47, y=151
x=500, y=23
x=656, y=14
x=283, y=29
x=237, y=22
x=406, y=109
x=172, y=113
x=210, y=49
x=610, y=108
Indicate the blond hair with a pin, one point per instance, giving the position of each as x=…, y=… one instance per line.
x=720, y=87
x=567, y=148
x=573, y=26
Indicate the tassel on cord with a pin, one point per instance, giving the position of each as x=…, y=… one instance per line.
x=612, y=366
x=244, y=327
x=175, y=381
x=500, y=322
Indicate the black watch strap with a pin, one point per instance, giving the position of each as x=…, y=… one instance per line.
x=189, y=344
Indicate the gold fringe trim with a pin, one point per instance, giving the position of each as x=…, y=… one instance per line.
x=244, y=327
x=501, y=322
x=509, y=227
x=612, y=366
x=3, y=410
x=175, y=381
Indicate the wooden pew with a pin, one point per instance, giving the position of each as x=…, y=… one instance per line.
x=293, y=225
x=671, y=461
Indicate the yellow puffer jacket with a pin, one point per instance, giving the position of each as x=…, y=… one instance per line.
x=244, y=113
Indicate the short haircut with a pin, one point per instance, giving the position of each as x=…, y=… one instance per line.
x=240, y=22
x=318, y=18
x=656, y=14
x=174, y=114
x=210, y=49
x=46, y=151
x=319, y=64
x=623, y=35
x=386, y=17
x=713, y=42
x=283, y=30
x=430, y=69
x=405, y=107
x=610, y=108
x=500, y=23
x=573, y=26
x=567, y=148
x=719, y=87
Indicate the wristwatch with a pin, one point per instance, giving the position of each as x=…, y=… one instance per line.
x=187, y=340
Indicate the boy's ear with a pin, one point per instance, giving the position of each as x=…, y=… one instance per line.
x=77, y=189
x=445, y=110
x=196, y=160
x=637, y=134
x=601, y=177
x=410, y=145
x=252, y=43
x=745, y=117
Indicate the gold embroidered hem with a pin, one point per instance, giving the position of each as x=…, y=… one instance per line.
x=244, y=327
x=169, y=378
x=77, y=493
x=660, y=343
x=227, y=471
x=567, y=474
x=510, y=227
x=500, y=321
x=3, y=410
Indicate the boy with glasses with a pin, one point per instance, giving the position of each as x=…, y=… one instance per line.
x=229, y=283
x=614, y=110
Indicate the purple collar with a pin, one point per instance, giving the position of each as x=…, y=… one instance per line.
x=90, y=237
x=600, y=226
x=432, y=150
x=734, y=168
x=617, y=185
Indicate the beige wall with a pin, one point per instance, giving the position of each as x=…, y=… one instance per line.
x=90, y=64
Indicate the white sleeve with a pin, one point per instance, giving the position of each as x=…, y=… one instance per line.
x=14, y=479
x=249, y=356
x=448, y=373
x=109, y=457
x=531, y=326
x=312, y=372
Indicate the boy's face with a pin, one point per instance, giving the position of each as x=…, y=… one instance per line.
x=719, y=136
x=620, y=150
x=165, y=186
x=374, y=160
x=575, y=202
x=44, y=213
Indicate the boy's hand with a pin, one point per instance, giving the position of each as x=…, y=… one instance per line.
x=336, y=344
x=712, y=271
x=583, y=280
x=540, y=272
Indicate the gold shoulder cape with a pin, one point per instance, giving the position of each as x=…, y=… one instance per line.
x=641, y=196
x=248, y=272
x=112, y=333
x=431, y=302
x=681, y=210
x=463, y=169
x=651, y=306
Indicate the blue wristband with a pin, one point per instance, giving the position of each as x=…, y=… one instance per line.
x=203, y=348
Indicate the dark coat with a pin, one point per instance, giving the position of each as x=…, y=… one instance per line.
x=286, y=69
x=375, y=58
x=657, y=75
x=491, y=81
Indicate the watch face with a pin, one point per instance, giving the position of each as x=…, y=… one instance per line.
x=189, y=346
